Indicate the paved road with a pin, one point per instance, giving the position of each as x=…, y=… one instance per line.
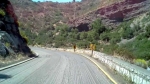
x=54, y=67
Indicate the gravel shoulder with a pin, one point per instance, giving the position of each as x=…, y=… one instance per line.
x=12, y=61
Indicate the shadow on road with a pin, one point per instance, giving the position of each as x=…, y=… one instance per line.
x=3, y=76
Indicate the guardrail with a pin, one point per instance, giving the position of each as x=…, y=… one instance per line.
x=136, y=75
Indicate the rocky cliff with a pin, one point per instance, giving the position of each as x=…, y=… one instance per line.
x=124, y=10
x=11, y=41
x=114, y=13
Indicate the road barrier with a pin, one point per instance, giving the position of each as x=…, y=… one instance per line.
x=131, y=72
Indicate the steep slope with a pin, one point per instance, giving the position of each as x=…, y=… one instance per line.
x=38, y=16
x=11, y=41
x=44, y=15
x=111, y=14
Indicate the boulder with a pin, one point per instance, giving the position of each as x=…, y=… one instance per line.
x=5, y=37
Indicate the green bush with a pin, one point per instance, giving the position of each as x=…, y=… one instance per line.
x=109, y=49
x=83, y=35
x=83, y=44
x=148, y=31
x=98, y=26
x=124, y=53
x=139, y=48
x=59, y=44
x=115, y=40
x=115, y=37
x=148, y=63
x=141, y=36
x=127, y=33
x=105, y=36
x=2, y=12
x=24, y=36
x=29, y=36
x=141, y=62
x=7, y=44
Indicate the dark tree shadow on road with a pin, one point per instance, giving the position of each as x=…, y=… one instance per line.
x=3, y=76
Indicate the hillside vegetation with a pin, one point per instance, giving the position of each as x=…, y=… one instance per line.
x=130, y=40
x=47, y=24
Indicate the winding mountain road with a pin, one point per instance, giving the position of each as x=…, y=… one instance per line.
x=54, y=67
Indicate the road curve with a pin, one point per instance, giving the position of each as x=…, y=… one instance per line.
x=54, y=67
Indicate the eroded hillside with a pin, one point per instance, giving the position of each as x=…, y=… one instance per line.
x=38, y=16
x=114, y=13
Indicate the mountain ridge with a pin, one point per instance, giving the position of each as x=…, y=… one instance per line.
x=116, y=12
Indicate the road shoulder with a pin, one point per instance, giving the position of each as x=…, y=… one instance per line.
x=111, y=74
x=16, y=63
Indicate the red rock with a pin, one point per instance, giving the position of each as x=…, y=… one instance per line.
x=10, y=11
x=116, y=12
x=122, y=9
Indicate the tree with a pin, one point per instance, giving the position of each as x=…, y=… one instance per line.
x=83, y=35
x=105, y=36
x=148, y=31
x=89, y=36
x=98, y=26
x=127, y=33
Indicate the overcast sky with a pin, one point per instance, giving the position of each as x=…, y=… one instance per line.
x=55, y=0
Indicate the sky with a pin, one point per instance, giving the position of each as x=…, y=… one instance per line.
x=56, y=0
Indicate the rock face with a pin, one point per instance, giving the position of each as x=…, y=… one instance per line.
x=115, y=13
x=10, y=39
x=124, y=10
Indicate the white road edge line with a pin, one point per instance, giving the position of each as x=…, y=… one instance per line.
x=9, y=66
x=12, y=65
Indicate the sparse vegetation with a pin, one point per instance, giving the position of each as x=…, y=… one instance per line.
x=28, y=36
x=12, y=59
x=106, y=39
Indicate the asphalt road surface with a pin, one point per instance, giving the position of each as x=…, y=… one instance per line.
x=54, y=67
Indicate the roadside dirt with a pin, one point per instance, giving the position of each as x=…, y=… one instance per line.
x=8, y=61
